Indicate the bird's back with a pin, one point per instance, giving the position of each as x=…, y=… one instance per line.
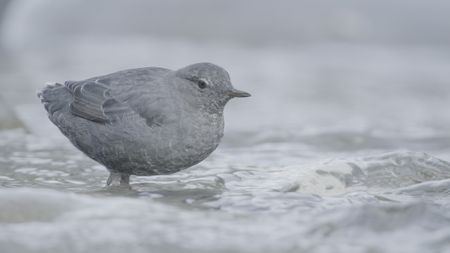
x=89, y=98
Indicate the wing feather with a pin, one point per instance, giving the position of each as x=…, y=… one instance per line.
x=106, y=99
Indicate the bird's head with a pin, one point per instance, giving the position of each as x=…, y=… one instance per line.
x=206, y=85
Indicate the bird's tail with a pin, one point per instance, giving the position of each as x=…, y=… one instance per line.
x=55, y=97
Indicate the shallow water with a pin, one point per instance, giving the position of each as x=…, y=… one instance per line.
x=265, y=195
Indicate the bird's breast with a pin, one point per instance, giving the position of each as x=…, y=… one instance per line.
x=197, y=137
x=203, y=134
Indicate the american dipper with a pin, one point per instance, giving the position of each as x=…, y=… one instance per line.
x=144, y=121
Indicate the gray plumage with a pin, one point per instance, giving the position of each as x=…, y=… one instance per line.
x=145, y=121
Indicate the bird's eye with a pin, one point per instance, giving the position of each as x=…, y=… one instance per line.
x=202, y=84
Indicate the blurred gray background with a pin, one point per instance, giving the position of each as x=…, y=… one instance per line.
x=353, y=65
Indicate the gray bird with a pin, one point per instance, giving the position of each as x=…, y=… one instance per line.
x=144, y=121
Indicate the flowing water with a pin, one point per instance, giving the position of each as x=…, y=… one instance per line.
x=265, y=194
x=341, y=148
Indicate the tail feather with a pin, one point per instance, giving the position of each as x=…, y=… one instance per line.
x=55, y=97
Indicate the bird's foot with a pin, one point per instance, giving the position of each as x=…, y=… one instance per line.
x=118, y=179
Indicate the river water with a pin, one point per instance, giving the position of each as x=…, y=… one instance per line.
x=341, y=148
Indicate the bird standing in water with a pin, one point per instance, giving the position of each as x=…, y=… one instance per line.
x=145, y=121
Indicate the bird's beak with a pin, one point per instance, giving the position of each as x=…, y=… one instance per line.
x=239, y=94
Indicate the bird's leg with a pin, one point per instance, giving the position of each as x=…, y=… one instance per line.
x=125, y=180
x=113, y=176
x=116, y=178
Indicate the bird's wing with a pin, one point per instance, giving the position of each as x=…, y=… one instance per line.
x=92, y=100
x=108, y=98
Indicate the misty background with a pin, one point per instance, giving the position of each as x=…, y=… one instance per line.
x=309, y=64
